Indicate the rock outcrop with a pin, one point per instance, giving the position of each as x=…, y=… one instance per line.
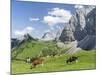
x=89, y=41
x=81, y=27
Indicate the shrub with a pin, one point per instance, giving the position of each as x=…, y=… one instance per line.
x=49, y=51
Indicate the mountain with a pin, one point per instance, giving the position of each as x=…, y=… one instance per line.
x=16, y=42
x=90, y=28
x=82, y=28
x=48, y=36
x=74, y=28
x=79, y=33
x=67, y=35
x=28, y=37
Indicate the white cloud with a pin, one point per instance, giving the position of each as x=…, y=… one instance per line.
x=79, y=6
x=57, y=15
x=60, y=12
x=48, y=30
x=34, y=19
x=50, y=20
x=19, y=33
x=28, y=29
x=52, y=28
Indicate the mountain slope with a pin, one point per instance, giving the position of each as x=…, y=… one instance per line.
x=82, y=28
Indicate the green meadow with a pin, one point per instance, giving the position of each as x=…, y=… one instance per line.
x=87, y=59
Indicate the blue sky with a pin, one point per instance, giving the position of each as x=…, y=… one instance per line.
x=37, y=18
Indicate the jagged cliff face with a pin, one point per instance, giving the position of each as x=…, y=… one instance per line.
x=67, y=35
x=74, y=28
x=91, y=23
x=81, y=27
x=89, y=41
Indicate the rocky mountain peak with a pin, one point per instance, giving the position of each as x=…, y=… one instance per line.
x=81, y=26
x=48, y=36
x=28, y=37
x=16, y=42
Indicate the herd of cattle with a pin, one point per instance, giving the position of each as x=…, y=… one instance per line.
x=37, y=61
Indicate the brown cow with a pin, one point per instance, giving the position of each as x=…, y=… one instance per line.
x=37, y=62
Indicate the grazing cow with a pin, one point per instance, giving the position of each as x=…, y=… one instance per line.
x=37, y=62
x=72, y=59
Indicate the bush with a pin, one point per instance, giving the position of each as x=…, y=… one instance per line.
x=50, y=52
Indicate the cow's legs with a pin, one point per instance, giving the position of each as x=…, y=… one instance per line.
x=33, y=66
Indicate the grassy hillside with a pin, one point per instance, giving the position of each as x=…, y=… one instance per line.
x=31, y=49
x=58, y=63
